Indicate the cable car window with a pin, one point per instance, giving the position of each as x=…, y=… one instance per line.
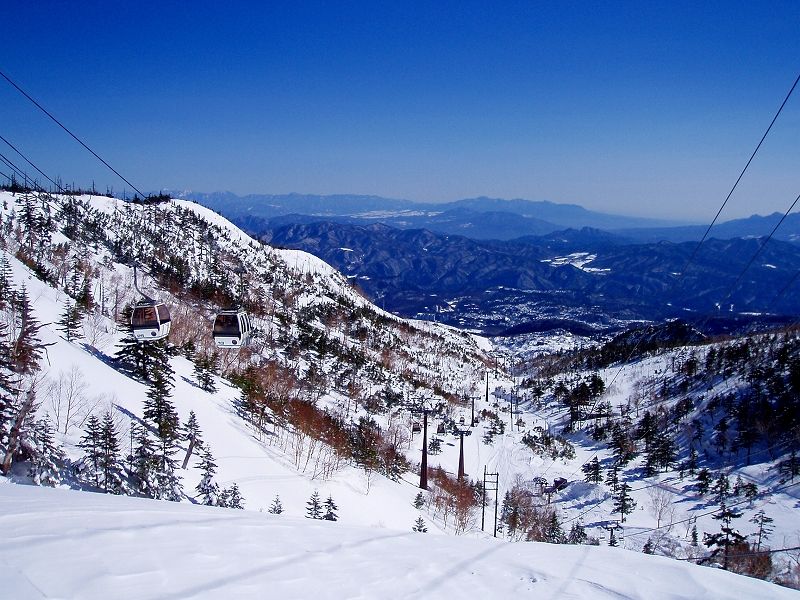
x=163, y=313
x=226, y=325
x=144, y=316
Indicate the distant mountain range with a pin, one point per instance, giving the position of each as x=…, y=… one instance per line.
x=517, y=265
x=476, y=218
x=586, y=276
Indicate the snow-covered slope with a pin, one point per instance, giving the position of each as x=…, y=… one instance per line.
x=62, y=544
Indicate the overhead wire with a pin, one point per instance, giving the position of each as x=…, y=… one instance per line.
x=64, y=127
x=693, y=255
x=25, y=158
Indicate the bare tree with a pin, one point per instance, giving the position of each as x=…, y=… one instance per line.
x=661, y=505
x=67, y=399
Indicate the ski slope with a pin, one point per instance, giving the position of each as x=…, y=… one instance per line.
x=66, y=544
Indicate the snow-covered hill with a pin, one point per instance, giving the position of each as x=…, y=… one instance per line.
x=352, y=373
x=62, y=544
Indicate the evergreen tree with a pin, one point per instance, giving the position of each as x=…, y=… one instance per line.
x=276, y=508
x=109, y=458
x=159, y=410
x=623, y=503
x=314, y=507
x=694, y=537
x=727, y=537
x=203, y=372
x=577, y=534
x=691, y=463
x=330, y=510
x=26, y=351
x=721, y=488
x=207, y=488
x=435, y=446
x=764, y=524
x=591, y=470
x=192, y=435
x=138, y=358
x=46, y=456
x=647, y=430
x=7, y=291
x=419, y=526
x=234, y=497
x=553, y=533
x=703, y=481
x=612, y=478
x=143, y=462
x=419, y=501
x=70, y=322
x=648, y=547
x=91, y=444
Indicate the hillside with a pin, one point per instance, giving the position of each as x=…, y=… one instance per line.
x=326, y=399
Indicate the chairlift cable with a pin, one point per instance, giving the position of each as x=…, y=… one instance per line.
x=693, y=255
x=75, y=137
x=744, y=170
x=25, y=158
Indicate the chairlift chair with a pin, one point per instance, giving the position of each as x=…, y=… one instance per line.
x=232, y=328
x=416, y=427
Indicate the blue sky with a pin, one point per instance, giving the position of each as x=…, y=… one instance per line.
x=641, y=108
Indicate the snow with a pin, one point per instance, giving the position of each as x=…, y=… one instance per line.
x=66, y=544
x=262, y=470
x=579, y=260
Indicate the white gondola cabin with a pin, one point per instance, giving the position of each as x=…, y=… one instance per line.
x=150, y=321
x=232, y=329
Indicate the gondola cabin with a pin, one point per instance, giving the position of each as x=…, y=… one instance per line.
x=416, y=427
x=232, y=329
x=150, y=321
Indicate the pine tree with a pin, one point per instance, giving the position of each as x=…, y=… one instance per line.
x=314, y=507
x=70, y=322
x=91, y=444
x=648, y=547
x=763, y=522
x=591, y=470
x=703, y=481
x=203, y=372
x=276, y=508
x=47, y=457
x=7, y=291
x=159, y=410
x=234, y=497
x=623, y=503
x=193, y=435
x=612, y=478
x=727, y=536
x=419, y=526
x=138, y=358
x=330, y=510
x=694, y=536
x=207, y=488
x=435, y=446
x=109, y=458
x=419, y=501
x=26, y=350
x=554, y=534
x=721, y=488
x=143, y=462
x=577, y=534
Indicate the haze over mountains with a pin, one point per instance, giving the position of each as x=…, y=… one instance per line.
x=477, y=218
